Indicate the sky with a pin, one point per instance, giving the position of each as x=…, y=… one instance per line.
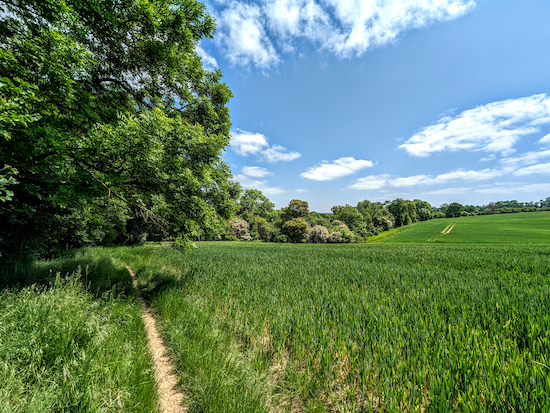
x=337, y=101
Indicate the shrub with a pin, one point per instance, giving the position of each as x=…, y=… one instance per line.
x=239, y=228
x=296, y=229
x=318, y=235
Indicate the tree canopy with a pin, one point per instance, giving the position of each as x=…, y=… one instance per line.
x=109, y=125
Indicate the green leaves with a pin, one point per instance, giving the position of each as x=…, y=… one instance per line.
x=107, y=102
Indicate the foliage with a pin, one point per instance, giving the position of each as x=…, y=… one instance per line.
x=351, y=217
x=107, y=103
x=296, y=229
x=453, y=210
x=318, y=235
x=400, y=209
x=239, y=228
x=254, y=203
x=264, y=229
x=295, y=209
x=423, y=210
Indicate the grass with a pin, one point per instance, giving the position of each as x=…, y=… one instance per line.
x=351, y=328
x=519, y=228
x=72, y=339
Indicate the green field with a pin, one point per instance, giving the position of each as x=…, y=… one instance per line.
x=416, y=321
x=521, y=228
x=351, y=328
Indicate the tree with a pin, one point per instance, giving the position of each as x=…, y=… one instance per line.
x=423, y=210
x=351, y=217
x=318, y=235
x=254, y=202
x=295, y=209
x=400, y=208
x=107, y=104
x=296, y=229
x=454, y=210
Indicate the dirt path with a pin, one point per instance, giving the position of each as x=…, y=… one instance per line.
x=170, y=398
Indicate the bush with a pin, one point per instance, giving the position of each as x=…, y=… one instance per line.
x=296, y=229
x=240, y=229
x=318, y=235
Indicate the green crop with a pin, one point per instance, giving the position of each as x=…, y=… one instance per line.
x=432, y=328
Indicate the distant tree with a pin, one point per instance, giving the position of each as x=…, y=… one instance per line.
x=454, y=210
x=316, y=218
x=318, y=235
x=399, y=208
x=295, y=209
x=296, y=229
x=252, y=202
x=423, y=210
x=264, y=228
x=351, y=217
x=493, y=208
x=239, y=228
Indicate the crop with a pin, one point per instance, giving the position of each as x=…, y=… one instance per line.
x=432, y=328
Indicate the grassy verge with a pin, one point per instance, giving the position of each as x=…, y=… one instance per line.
x=72, y=339
x=219, y=371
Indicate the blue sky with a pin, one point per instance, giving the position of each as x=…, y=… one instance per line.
x=336, y=101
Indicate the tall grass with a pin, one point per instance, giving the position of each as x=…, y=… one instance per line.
x=73, y=340
x=219, y=373
x=351, y=328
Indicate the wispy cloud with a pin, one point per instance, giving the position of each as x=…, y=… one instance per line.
x=371, y=182
x=381, y=181
x=494, y=127
x=249, y=143
x=328, y=171
x=278, y=153
x=255, y=171
x=528, y=158
x=545, y=139
x=208, y=61
x=543, y=168
x=263, y=186
x=249, y=32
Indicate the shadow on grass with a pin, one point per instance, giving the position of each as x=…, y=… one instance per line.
x=99, y=273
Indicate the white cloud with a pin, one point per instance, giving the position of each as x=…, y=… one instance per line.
x=545, y=139
x=328, y=171
x=344, y=27
x=246, y=143
x=255, y=171
x=410, y=181
x=263, y=186
x=490, y=157
x=380, y=181
x=543, y=168
x=278, y=153
x=528, y=158
x=494, y=127
x=448, y=191
x=209, y=62
x=468, y=175
x=249, y=143
x=371, y=182
x=242, y=33
x=373, y=23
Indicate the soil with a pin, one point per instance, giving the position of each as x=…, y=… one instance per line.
x=171, y=400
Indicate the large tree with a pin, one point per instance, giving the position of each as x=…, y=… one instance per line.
x=109, y=124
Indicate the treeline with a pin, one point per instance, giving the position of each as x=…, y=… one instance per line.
x=257, y=218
